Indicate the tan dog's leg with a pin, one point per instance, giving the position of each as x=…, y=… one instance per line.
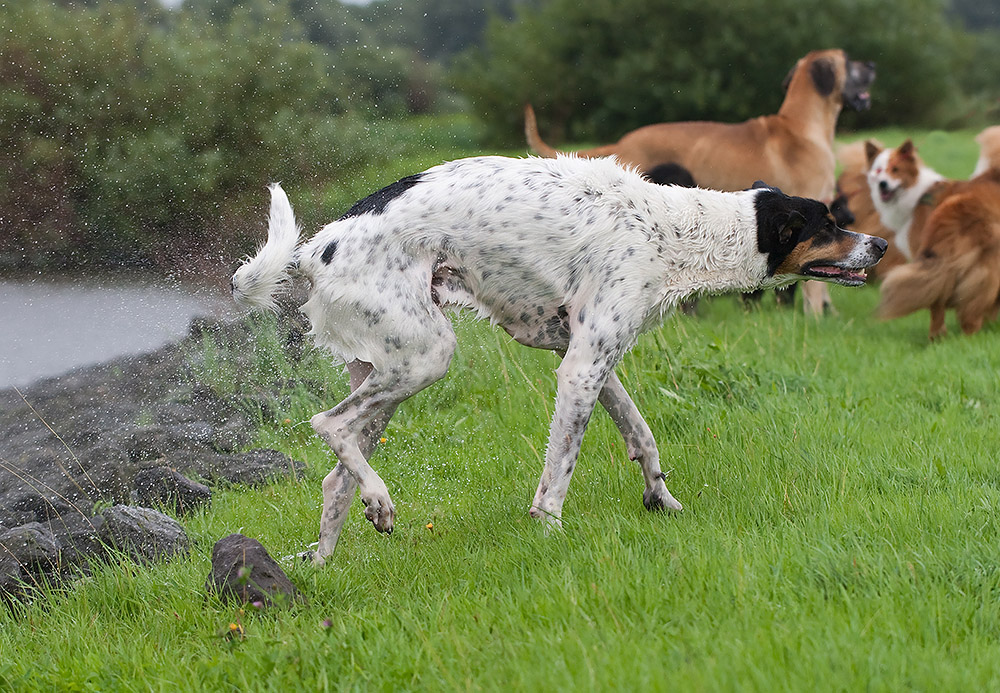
x=937, y=328
x=816, y=298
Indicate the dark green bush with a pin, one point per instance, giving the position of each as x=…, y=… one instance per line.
x=129, y=140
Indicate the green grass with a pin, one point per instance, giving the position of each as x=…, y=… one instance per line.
x=840, y=484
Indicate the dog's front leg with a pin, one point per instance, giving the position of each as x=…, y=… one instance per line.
x=581, y=375
x=639, y=444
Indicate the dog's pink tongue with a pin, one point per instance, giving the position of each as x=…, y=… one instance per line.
x=827, y=271
x=830, y=271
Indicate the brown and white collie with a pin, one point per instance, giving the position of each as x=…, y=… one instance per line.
x=949, y=229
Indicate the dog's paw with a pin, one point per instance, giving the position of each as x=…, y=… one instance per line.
x=659, y=498
x=303, y=557
x=380, y=512
x=550, y=521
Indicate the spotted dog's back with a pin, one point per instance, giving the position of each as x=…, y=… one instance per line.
x=525, y=243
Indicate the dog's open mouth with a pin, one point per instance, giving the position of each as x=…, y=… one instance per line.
x=861, y=101
x=838, y=275
x=887, y=193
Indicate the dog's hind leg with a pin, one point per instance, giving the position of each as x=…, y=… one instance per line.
x=339, y=486
x=639, y=443
x=975, y=297
x=353, y=427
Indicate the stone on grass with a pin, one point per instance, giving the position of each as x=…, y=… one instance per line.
x=243, y=570
x=31, y=545
x=79, y=538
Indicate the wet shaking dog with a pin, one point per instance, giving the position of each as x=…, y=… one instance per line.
x=575, y=255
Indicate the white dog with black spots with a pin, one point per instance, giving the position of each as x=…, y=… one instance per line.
x=574, y=255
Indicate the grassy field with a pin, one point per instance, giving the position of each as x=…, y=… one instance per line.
x=840, y=483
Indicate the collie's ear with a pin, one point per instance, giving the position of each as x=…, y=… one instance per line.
x=907, y=149
x=872, y=150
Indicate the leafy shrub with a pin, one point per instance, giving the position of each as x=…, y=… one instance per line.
x=126, y=139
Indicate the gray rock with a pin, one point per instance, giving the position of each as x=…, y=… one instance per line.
x=167, y=488
x=258, y=467
x=32, y=546
x=243, y=570
x=79, y=538
x=142, y=533
x=13, y=578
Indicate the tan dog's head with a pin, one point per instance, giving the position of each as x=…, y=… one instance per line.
x=834, y=76
x=802, y=241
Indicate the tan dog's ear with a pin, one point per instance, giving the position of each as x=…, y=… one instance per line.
x=791, y=73
x=872, y=150
x=907, y=149
x=824, y=76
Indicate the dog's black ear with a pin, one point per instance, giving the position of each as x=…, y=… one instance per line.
x=761, y=185
x=824, y=76
x=791, y=227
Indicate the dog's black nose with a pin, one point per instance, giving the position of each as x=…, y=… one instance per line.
x=883, y=185
x=880, y=244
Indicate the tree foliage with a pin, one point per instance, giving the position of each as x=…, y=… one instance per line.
x=129, y=139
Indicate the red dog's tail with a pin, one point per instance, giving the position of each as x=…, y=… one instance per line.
x=913, y=286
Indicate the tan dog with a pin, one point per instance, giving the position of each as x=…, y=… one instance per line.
x=792, y=150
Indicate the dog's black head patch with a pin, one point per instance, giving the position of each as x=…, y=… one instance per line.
x=801, y=239
x=840, y=208
x=784, y=222
x=858, y=82
x=377, y=201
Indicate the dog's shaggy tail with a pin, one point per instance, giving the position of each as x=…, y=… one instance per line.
x=914, y=286
x=259, y=278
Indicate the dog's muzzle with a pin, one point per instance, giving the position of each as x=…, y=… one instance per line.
x=850, y=272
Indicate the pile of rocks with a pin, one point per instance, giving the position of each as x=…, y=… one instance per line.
x=127, y=436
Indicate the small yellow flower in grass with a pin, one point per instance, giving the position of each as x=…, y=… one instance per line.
x=382, y=439
x=287, y=421
x=429, y=525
